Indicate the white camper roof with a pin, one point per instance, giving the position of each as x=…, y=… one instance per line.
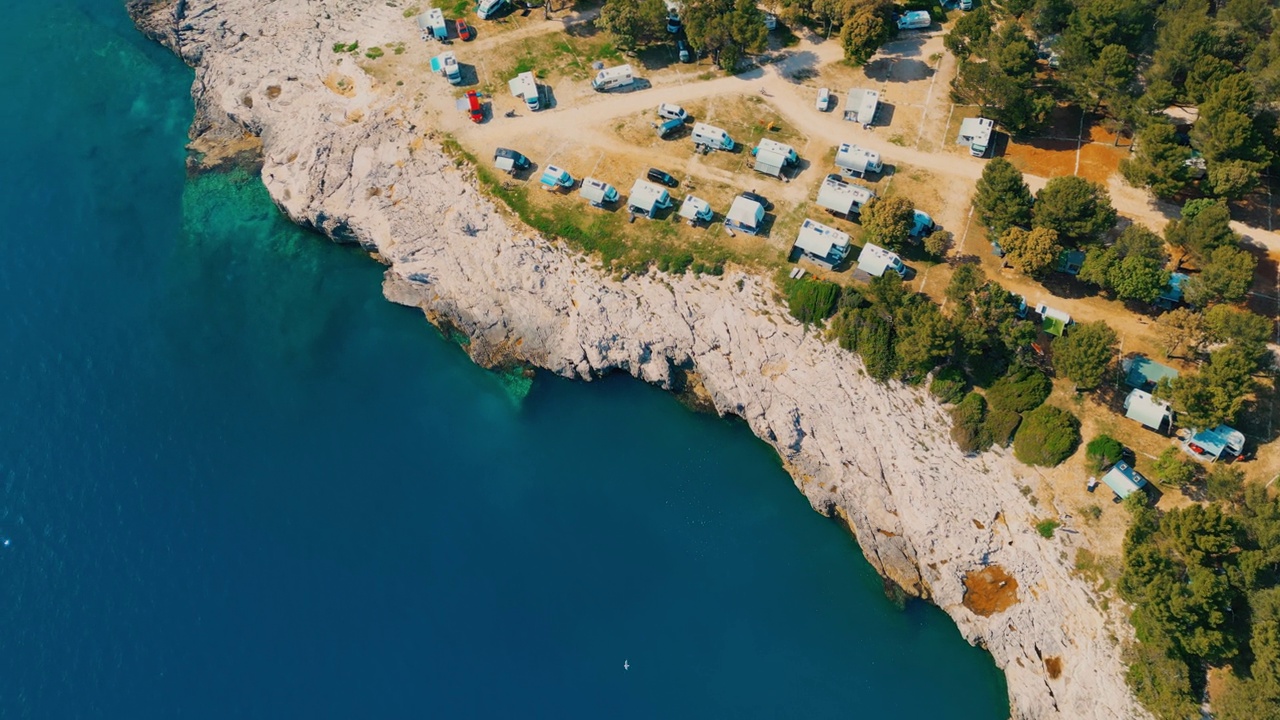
x=842, y=197
x=747, y=213
x=856, y=158
x=818, y=239
x=705, y=129
x=770, y=162
x=523, y=85
x=594, y=190
x=1046, y=311
x=646, y=195
x=975, y=131
x=613, y=72
x=773, y=146
x=435, y=18
x=874, y=260
x=861, y=105
x=692, y=207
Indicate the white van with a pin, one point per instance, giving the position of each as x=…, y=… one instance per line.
x=712, y=138
x=824, y=99
x=488, y=8
x=613, y=78
x=667, y=111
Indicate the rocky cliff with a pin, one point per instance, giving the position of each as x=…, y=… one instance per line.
x=353, y=162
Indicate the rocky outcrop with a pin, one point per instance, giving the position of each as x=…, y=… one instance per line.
x=356, y=165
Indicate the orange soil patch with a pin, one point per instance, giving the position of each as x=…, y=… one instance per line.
x=1098, y=162
x=1046, y=158
x=990, y=590
x=1053, y=666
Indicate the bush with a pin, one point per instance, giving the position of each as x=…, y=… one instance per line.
x=966, y=423
x=1000, y=425
x=1021, y=390
x=1046, y=528
x=875, y=345
x=1102, y=450
x=938, y=242
x=949, y=385
x=811, y=301
x=1224, y=483
x=1048, y=435
x=1172, y=468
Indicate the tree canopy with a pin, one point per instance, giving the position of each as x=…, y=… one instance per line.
x=1217, y=393
x=634, y=23
x=1030, y=251
x=1078, y=210
x=887, y=221
x=1002, y=199
x=728, y=29
x=1084, y=353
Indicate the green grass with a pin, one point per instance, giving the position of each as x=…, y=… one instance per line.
x=458, y=9
x=412, y=10
x=373, y=53
x=1046, y=528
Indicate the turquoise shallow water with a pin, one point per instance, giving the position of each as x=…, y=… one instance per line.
x=236, y=482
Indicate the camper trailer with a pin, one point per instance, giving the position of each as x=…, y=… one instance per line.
x=861, y=106
x=696, y=210
x=613, y=78
x=976, y=133
x=853, y=160
x=914, y=20
x=598, y=192
x=431, y=24
x=842, y=198
x=509, y=160
x=647, y=198
x=823, y=245
x=711, y=138
x=554, y=178
x=525, y=87
x=876, y=261
x=745, y=214
x=446, y=64
x=772, y=156
x=488, y=8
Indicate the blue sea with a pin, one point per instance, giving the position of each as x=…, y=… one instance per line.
x=237, y=483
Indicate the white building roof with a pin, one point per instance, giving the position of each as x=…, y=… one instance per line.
x=646, y=196
x=744, y=212
x=523, y=85
x=861, y=105
x=975, y=131
x=874, y=260
x=842, y=197
x=692, y=207
x=818, y=239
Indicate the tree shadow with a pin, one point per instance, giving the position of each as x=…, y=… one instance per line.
x=657, y=57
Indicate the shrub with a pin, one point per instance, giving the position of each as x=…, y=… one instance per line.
x=1102, y=450
x=1046, y=528
x=938, y=242
x=1000, y=425
x=374, y=53
x=1048, y=435
x=875, y=345
x=811, y=301
x=1224, y=483
x=1022, y=389
x=1172, y=468
x=949, y=385
x=966, y=423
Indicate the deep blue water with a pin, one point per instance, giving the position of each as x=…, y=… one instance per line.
x=235, y=482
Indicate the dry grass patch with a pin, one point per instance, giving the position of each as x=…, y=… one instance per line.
x=990, y=590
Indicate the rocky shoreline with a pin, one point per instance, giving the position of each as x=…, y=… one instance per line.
x=358, y=168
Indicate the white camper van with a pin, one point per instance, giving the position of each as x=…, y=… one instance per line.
x=526, y=87
x=613, y=78
x=710, y=137
x=914, y=20
x=853, y=160
x=488, y=8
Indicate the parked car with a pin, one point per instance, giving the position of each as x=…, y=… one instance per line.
x=682, y=48
x=465, y=32
x=667, y=111
x=764, y=202
x=664, y=178
x=836, y=177
x=966, y=5
x=770, y=21
x=473, y=106
x=824, y=99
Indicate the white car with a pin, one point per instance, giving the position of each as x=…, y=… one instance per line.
x=966, y=5
x=667, y=111
x=824, y=99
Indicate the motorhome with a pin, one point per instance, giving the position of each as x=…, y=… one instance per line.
x=976, y=133
x=821, y=244
x=488, y=8
x=853, y=160
x=696, y=210
x=598, y=192
x=431, y=24
x=526, y=87
x=711, y=138
x=914, y=20
x=875, y=261
x=554, y=178
x=648, y=198
x=613, y=78
x=446, y=64
x=772, y=157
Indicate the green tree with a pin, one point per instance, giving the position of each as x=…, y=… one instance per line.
x=1226, y=133
x=1032, y=252
x=965, y=281
x=966, y=423
x=634, y=23
x=1215, y=395
x=972, y=30
x=1205, y=226
x=1084, y=353
x=938, y=242
x=1047, y=436
x=865, y=31
x=1002, y=199
x=728, y=29
x=1109, y=76
x=812, y=301
x=1181, y=330
x=1020, y=390
x=1078, y=210
x=1225, y=277
x=1138, y=278
x=887, y=221
x=875, y=346
x=1102, y=452
x=924, y=338
x=1173, y=468
x=1228, y=324
x=1160, y=161
x=1224, y=483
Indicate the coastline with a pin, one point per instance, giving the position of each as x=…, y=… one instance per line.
x=876, y=456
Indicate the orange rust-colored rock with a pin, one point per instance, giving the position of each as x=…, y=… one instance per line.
x=1053, y=667
x=990, y=590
